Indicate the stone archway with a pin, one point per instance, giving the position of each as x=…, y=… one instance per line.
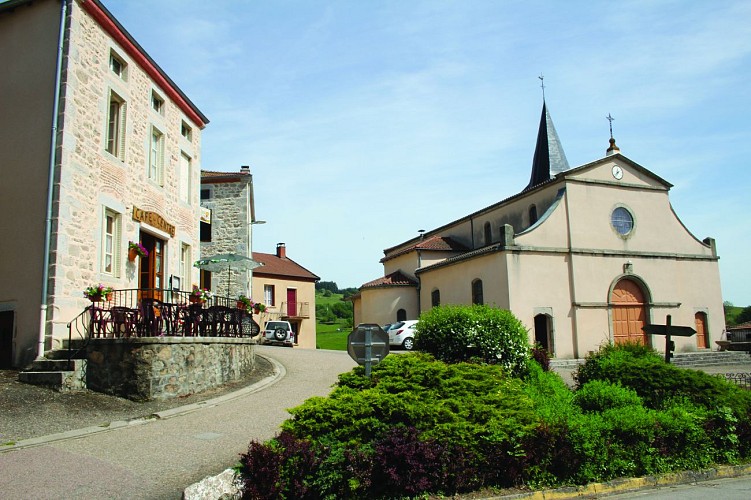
x=629, y=312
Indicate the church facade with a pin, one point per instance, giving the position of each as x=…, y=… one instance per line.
x=582, y=256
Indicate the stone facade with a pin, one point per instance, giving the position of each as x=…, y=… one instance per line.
x=229, y=196
x=90, y=186
x=166, y=367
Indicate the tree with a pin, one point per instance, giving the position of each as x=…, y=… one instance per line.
x=744, y=315
x=327, y=285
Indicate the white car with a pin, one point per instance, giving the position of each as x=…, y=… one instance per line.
x=278, y=332
x=402, y=334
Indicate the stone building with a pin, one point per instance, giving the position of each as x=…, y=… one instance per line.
x=227, y=219
x=582, y=256
x=289, y=292
x=99, y=147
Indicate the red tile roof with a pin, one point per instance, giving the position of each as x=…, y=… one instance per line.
x=274, y=266
x=394, y=279
x=434, y=243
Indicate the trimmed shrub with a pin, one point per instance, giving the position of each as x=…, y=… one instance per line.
x=465, y=333
x=600, y=395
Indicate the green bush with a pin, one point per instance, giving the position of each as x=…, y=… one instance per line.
x=419, y=426
x=600, y=395
x=465, y=333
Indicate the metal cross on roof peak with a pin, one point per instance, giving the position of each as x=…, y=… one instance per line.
x=610, y=119
x=542, y=85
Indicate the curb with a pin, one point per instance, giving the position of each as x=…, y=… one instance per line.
x=279, y=373
x=593, y=490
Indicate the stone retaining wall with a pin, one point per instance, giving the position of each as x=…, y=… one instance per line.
x=143, y=369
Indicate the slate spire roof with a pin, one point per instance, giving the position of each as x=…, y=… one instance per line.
x=549, y=158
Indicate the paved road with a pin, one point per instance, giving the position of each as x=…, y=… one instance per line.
x=734, y=488
x=157, y=459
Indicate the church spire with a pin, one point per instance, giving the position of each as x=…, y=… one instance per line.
x=549, y=158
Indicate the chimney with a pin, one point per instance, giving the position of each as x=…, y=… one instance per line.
x=245, y=169
x=281, y=251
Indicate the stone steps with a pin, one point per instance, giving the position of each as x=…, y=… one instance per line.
x=708, y=358
x=55, y=371
x=56, y=374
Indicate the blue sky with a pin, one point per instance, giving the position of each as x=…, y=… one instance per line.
x=365, y=121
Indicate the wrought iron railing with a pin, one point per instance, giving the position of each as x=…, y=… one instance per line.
x=740, y=379
x=157, y=313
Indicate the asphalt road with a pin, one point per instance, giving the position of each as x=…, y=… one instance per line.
x=157, y=459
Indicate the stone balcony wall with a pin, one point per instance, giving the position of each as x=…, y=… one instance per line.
x=143, y=369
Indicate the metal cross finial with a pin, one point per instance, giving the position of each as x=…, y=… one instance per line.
x=610, y=119
x=542, y=85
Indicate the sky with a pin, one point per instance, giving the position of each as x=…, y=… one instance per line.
x=366, y=121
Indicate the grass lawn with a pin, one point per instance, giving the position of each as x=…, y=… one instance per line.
x=332, y=336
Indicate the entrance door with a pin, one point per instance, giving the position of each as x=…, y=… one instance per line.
x=6, y=340
x=700, y=319
x=629, y=313
x=292, y=302
x=151, y=276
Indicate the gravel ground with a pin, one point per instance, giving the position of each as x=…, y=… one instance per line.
x=30, y=411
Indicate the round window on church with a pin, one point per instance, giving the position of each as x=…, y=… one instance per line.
x=622, y=221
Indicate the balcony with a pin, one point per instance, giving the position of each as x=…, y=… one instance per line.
x=295, y=310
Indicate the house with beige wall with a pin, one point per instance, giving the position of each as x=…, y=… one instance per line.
x=288, y=290
x=582, y=256
x=100, y=147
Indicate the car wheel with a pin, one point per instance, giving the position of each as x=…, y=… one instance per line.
x=408, y=344
x=280, y=334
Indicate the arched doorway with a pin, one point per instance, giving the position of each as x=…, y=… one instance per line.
x=628, y=312
x=700, y=319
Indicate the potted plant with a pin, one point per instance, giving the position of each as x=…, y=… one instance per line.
x=259, y=307
x=245, y=303
x=96, y=293
x=135, y=249
x=199, y=295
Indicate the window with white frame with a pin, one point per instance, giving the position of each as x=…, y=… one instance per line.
x=156, y=156
x=185, y=259
x=268, y=295
x=110, y=242
x=157, y=103
x=115, y=144
x=118, y=66
x=186, y=173
x=186, y=131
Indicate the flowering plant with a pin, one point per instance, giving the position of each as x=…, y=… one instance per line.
x=260, y=306
x=97, y=292
x=247, y=301
x=140, y=249
x=201, y=293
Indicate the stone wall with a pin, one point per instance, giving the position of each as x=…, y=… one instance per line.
x=144, y=369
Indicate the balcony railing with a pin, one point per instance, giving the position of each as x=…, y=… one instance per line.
x=155, y=313
x=295, y=310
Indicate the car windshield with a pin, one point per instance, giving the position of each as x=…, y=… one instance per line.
x=273, y=325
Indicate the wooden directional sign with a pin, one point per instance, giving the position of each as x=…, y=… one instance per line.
x=673, y=331
x=368, y=344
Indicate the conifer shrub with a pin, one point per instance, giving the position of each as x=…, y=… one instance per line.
x=490, y=335
x=601, y=395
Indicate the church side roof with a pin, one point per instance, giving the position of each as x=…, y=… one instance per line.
x=396, y=278
x=434, y=243
x=274, y=266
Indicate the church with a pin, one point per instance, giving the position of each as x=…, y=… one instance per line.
x=582, y=256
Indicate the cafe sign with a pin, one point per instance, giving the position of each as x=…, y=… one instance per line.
x=153, y=219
